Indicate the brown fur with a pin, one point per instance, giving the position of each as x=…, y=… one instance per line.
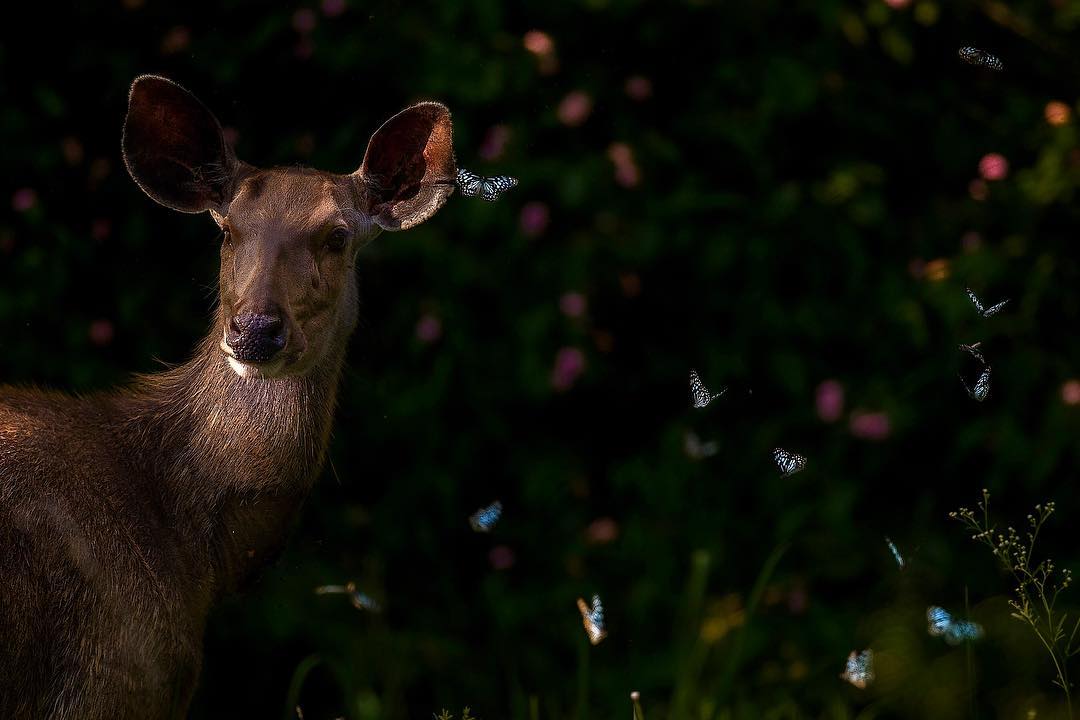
x=125, y=515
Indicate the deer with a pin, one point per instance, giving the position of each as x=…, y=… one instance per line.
x=126, y=514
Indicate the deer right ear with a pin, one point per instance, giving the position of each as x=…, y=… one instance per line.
x=175, y=149
x=409, y=166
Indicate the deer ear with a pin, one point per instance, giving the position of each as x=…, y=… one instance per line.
x=175, y=149
x=409, y=168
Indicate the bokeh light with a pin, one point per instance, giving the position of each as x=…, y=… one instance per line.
x=534, y=218
x=428, y=328
x=574, y=109
x=572, y=304
x=870, y=425
x=24, y=199
x=829, y=400
x=569, y=365
x=1070, y=392
x=993, y=166
x=1057, y=112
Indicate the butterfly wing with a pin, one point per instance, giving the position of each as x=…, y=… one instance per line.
x=592, y=618
x=995, y=309
x=859, y=669
x=975, y=300
x=938, y=621
x=469, y=182
x=787, y=462
x=981, y=391
x=491, y=188
x=699, y=394
x=484, y=519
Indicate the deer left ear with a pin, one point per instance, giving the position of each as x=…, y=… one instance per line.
x=409, y=167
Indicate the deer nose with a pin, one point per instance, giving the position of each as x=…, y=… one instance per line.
x=256, y=337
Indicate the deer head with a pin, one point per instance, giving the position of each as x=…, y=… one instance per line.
x=290, y=236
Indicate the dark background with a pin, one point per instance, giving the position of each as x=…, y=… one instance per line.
x=779, y=194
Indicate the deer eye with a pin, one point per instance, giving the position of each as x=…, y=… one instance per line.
x=337, y=239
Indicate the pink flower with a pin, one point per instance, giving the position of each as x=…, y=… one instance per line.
x=870, y=425
x=978, y=189
x=601, y=531
x=333, y=8
x=569, y=364
x=574, y=108
x=993, y=166
x=638, y=87
x=24, y=199
x=501, y=557
x=572, y=304
x=626, y=170
x=494, y=142
x=829, y=399
x=100, y=229
x=1070, y=392
x=538, y=42
x=428, y=329
x=101, y=332
x=971, y=241
x=304, y=20
x=534, y=218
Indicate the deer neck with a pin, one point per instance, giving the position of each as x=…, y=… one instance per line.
x=235, y=457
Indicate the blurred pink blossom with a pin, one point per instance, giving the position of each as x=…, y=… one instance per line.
x=569, y=364
x=333, y=8
x=176, y=40
x=601, y=531
x=971, y=241
x=100, y=229
x=797, y=600
x=101, y=332
x=993, y=166
x=829, y=399
x=574, y=108
x=24, y=199
x=304, y=20
x=534, y=218
x=572, y=304
x=72, y=150
x=978, y=189
x=494, y=142
x=638, y=87
x=626, y=170
x=1070, y=392
x=870, y=425
x=501, y=557
x=538, y=42
x=428, y=328
x=897, y=4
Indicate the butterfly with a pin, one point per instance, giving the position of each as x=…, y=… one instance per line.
x=361, y=601
x=985, y=311
x=895, y=552
x=975, y=352
x=699, y=394
x=696, y=449
x=941, y=624
x=485, y=518
x=593, y=619
x=859, y=669
x=981, y=58
x=488, y=188
x=787, y=462
x=980, y=391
